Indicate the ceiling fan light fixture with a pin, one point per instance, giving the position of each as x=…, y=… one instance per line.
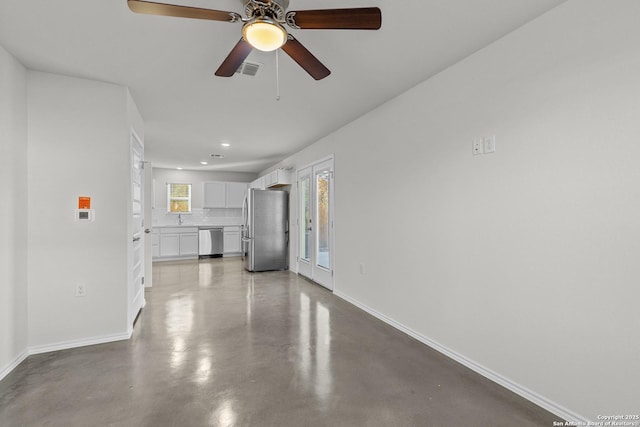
x=264, y=34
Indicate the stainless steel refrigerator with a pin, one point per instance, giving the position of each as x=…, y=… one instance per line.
x=265, y=234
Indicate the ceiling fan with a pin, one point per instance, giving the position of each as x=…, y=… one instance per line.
x=263, y=28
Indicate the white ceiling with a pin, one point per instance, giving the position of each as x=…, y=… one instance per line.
x=168, y=64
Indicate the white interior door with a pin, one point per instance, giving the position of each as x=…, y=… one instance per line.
x=136, y=281
x=315, y=223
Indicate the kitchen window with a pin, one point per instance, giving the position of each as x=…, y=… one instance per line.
x=178, y=198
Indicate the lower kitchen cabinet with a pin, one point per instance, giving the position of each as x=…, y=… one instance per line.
x=182, y=242
x=188, y=244
x=231, y=240
x=177, y=242
x=169, y=245
x=155, y=237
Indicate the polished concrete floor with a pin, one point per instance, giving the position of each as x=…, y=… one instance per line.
x=218, y=346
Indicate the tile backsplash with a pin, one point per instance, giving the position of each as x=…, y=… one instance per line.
x=199, y=217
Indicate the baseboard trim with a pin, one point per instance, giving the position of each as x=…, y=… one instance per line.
x=518, y=389
x=11, y=366
x=66, y=345
x=177, y=258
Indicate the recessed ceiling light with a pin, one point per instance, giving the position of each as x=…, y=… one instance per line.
x=204, y=163
x=225, y=144
x=217, y=156
x=179, y=169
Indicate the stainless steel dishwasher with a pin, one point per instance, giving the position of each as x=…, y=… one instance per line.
x=210, y=242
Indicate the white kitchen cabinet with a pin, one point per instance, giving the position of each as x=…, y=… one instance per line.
x=235, y=194
x=231, y=240
x=155, y=243
x=169, y=245
x=215, y=194
x=224, y=194
x=258, y=183
x=177, y=242
x=277, y=178
x=188, y=244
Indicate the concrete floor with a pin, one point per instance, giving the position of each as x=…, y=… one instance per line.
x=218, y=346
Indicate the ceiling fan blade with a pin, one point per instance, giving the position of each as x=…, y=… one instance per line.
x=237, y=55
x=162, y=9
x=364, y=18
x=305, y=59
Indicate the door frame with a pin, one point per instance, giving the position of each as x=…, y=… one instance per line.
x=148, y=221
x=303, y=267
x=327, y=281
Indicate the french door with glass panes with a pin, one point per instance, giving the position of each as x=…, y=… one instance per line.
x=315, y=223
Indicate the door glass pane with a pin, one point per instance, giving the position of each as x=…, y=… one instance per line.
x=305, y=217
x=322, y=226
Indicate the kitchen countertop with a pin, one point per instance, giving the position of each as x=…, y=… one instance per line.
x=209, y=222
x=196, y=225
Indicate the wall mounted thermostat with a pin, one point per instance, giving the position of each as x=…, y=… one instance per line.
x=84, y=211
x=85, y=215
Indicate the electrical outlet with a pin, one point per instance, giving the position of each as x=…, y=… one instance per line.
x=361, y=268
x=477, y=147
x=81, y=290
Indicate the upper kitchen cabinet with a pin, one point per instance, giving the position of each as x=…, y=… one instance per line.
x=215, y=195
x=259, y=183
x=277, y=178
x=224, y=194
x=235, y=194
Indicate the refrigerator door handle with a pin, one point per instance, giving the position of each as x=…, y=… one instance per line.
x=244, y=204
x=245, y=215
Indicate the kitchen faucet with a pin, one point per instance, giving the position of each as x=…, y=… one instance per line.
x=179, y=219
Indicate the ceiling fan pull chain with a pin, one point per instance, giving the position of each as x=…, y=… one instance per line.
x=277, y=76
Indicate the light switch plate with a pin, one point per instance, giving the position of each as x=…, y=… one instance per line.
x=81, y=290
x=490, y=144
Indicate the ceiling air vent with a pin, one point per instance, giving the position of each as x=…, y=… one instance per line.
x=249, y=68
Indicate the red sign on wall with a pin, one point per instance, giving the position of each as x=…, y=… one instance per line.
x=84, y=202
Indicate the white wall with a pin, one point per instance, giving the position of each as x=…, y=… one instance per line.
x=13, y=208
x=525, y=262
x=78, y=146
